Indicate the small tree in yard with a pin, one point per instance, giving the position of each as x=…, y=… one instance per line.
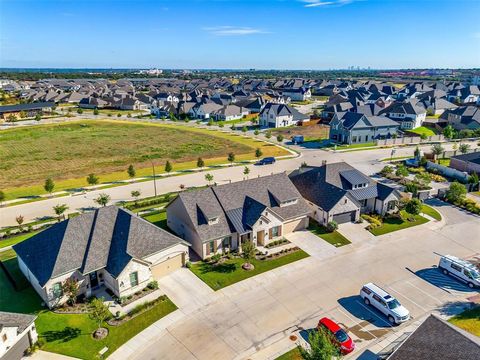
x=98, y=311
x=268, y=134
x=92, y=179
x=96, y=112
x=49, y=185
x=79, y=111
x=456, y=192
x=209, y=178
x=248, y=254
x=280, y=138
x=59, y=210
x=463, y=148
x=321, y=346
x=244, y=129
x=168, y=167
x=246, y=171
x=387, y=170
x=38, y=117
x=102, y=199
x=437, y=150
x=258, y=153
x=423, y=136
x=136, y=194
x=332, y=226
x=256, y=132
x=2, y=198
x=413, y=207
x=70, y=289
x=448, y=132
x=131, y=171
x=200, y=163
x=231, y=158
x=472, y=179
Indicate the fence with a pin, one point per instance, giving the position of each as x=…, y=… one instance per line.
x=407, y=140
x=448, y=172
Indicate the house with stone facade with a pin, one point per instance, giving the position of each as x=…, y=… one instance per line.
x=109, y=248
x=220, y=218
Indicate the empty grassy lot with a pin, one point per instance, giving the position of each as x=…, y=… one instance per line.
x=68, y=152
x=310, y=133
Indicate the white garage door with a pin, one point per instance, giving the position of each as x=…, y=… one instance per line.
x=167, y=266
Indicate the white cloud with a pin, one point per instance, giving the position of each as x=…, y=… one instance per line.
x=233, y=30
x=318, y=3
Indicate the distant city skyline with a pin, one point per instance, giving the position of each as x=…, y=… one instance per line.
x=240, y=34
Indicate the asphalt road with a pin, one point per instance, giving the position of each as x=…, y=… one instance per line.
x=366, y=161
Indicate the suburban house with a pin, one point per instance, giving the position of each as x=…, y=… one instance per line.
x=436, y=338
x=230, y=112
x=463, y=117
x=280, y=115
x=407, y=114
x=28, y=110
x=339, y=192
x=220, y=218
x=354, y=128
x=17, y=334
x=300, y=94
x=107, y=248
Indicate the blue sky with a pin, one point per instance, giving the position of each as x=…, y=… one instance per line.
x=262, y=34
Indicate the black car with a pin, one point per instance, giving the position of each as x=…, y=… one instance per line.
x=267, y=161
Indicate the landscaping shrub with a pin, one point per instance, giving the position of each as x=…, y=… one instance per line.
x=374, y=222
x=215, y=258
x=332, y=226
x=153, y=285
x=189, y=264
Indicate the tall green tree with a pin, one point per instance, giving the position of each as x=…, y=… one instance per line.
x=448, y=132
x=248, y=251
x=413, y=207
x=102, y=199
x=456, y=192
x=258, y=153
x=464, y=148
x=322, y=347
x=246, y=171
x=70, y=289
x=200, y=163
x=49, y=185
x=98, y=311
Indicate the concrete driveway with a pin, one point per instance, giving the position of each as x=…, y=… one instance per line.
x=256, y=316
x=312, y=244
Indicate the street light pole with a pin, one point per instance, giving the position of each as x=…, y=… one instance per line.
x=154, y=178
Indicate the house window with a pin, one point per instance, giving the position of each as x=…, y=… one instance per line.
x=391, y=205
x=134, y=279
x=211, y=246
x=276, y=231
x=57, y=290
x=227, y=241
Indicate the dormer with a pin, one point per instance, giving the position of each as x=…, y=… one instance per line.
x=354, y=179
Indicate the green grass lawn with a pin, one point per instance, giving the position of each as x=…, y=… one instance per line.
x=16, y=239
x=64, y=152
x=468, y=320
x=7, y=254
x=230, y=272
x=351, y=146
x=71, y=334
x=444, y=162
x=393, y=224
x=422, y=130
x=158, y=218
x=334, y=238
x=431, y=212
x=293, y=354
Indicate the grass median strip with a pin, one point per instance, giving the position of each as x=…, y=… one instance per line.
x=428, y=210
x=229, y=272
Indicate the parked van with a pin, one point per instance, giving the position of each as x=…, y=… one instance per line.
x=460, y=269
x=385, y=303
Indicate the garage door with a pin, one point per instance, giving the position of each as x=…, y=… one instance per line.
x=295, y=225
x=167, y=266
x=344, y=217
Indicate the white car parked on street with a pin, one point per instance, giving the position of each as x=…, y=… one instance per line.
x=385, y=303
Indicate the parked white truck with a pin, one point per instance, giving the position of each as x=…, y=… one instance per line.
x=460, y=269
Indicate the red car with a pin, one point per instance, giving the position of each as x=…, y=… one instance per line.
x=339, y=336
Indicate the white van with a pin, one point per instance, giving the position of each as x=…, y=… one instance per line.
x=460, y=269
x=385, y=303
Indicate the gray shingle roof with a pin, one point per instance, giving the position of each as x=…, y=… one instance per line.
x=108, y=237
x=22, y=321
x=437, y=339
x=240, y=204
x=26, y=107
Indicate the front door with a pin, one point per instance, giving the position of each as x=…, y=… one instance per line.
x=93, y=280
x=261, y=237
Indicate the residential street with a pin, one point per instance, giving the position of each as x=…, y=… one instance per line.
x=366, y=161
x=257, y=315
